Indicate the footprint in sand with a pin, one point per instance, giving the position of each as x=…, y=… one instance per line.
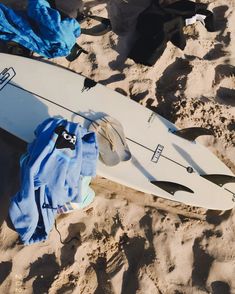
x=223, y=37
x=224, y=82
x=201, y=264
x=43, y=272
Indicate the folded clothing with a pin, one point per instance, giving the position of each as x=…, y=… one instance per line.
x=51, y=170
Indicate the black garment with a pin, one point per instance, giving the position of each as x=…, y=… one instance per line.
x=157, y=25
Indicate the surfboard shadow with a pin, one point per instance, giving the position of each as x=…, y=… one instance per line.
x=189, y=159
x=11, y=149
x=141, y=168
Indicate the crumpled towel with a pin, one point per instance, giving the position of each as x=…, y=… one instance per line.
x=40, y=29
x=51, y=169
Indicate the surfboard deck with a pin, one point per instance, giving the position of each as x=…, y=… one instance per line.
x=162, y=164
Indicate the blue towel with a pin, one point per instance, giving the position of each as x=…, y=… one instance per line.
x=50, y=176
x=40, y=29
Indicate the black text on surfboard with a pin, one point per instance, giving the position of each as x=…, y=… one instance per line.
x=5, y=76
x=157, y=153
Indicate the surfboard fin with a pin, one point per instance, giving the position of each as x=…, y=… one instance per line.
x=219, y=179
x=171, y=187
x=191, y=134
x=88, y=84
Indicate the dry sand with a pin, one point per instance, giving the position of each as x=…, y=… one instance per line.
x=128, y=242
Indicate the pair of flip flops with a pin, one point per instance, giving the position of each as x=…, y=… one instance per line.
x=111, y=140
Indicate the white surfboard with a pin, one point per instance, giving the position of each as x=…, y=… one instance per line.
x=164, y=162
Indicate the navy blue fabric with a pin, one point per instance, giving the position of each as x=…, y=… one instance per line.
x=40, y=29
x=50, y=176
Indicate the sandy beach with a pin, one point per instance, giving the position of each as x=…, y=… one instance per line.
x=128, y=242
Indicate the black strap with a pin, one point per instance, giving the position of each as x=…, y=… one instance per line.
x=65, y=242
x=98, y=30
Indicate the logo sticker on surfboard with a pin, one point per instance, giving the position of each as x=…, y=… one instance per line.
x=157, y=153
x=6, y=76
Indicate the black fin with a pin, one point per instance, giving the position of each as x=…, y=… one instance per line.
x=219, y=180
x=171, y=187
x=88, y=84
x=191, y=134
x=100, y=29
